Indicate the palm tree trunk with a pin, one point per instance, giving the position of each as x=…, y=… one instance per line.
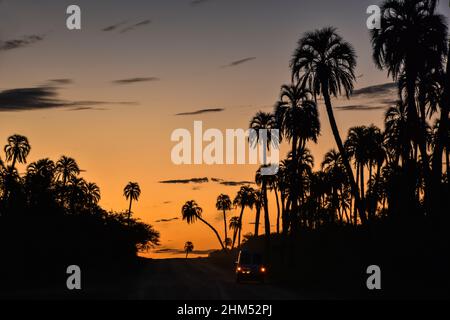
x=278, y=209
x=225, y=225
x=362, y=183
x=213, y=229
x=234, y=238
x=187, y=252
x=440, y=144
x=266, y=209
x=355, y=209
x=129, y=210
x=345, y=160
x=240, y=226
x=258, y=215
x=14, y=162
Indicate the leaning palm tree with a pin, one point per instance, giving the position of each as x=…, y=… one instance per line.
x=131, y=191
x=235, y=225
x=17, y=149
x=188, y=248
x=244, y=198
x=224, y=203
x=325, y=63
x=191, y=212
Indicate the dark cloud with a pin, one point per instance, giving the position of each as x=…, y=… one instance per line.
x=360, y=108
x=114, y=26
x=186, y=181
x=86, y=109
x=380, y=89
x=239, y=62
x=61, y=81
x=167, y=202
x=136, y=25
x=20, y=43
x=231, y=183
x=136, y=80
x=167, y=220
x=200, y=112
x=45, y=97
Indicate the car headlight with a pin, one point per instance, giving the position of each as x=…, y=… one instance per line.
x=263, y=269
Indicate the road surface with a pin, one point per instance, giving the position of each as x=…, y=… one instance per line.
x=198, y=279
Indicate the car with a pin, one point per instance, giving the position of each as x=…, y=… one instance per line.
x=250, y=267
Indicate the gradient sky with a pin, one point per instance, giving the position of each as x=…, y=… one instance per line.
x=183, y=52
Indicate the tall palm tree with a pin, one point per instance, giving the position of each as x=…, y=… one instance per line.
x=325, y=64
x=131, y=191
x=17, y=149
x=191, y=212
x=411, y=42
x=244, y=198
x=224, y=203
x=264, y=121
x=258, y=205
x=66, y=169
x=188, y=248
x=357, y=147
x=235, y=225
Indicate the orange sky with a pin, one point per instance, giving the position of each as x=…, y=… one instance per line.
x=186, y=48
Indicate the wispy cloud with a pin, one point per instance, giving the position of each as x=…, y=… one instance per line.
x=167, y=220
x=44, y=97
x=136, y=25
x=232, y=183
x=114, y=26
x=385, y=88
x=136, y=80
x=360, y=108
x=238, y=62
x=185, y=181
x=61, y=81
x=21, y=42
x=201, y=111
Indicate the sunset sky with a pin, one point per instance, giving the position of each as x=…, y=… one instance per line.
x=108, y=95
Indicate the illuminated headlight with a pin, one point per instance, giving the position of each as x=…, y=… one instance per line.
x=239, y=269
x=263, y=269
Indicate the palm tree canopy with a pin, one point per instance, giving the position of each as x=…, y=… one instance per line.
x=191, y=211
x=296, y=114
x=412, y=35
x=235, y=223
x=245, y=197
x=67, y=168
x=92, y=192
x=264, y=121
x=324, y=58
x=17, y=148
x=188, y=246
x=132, y=191
x=223, y=202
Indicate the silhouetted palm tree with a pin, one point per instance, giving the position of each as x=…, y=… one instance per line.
x=411, y=42
x=224, y=203
x=188, y=248
x=235, y=225
x=325, y=63
x=92, y=194
x=131, y=191
x=191, y=212
x=17, y=149
x=66, y=169
x=244, y=198
x=259, y=199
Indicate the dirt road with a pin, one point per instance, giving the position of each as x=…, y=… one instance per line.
x=198, y=279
